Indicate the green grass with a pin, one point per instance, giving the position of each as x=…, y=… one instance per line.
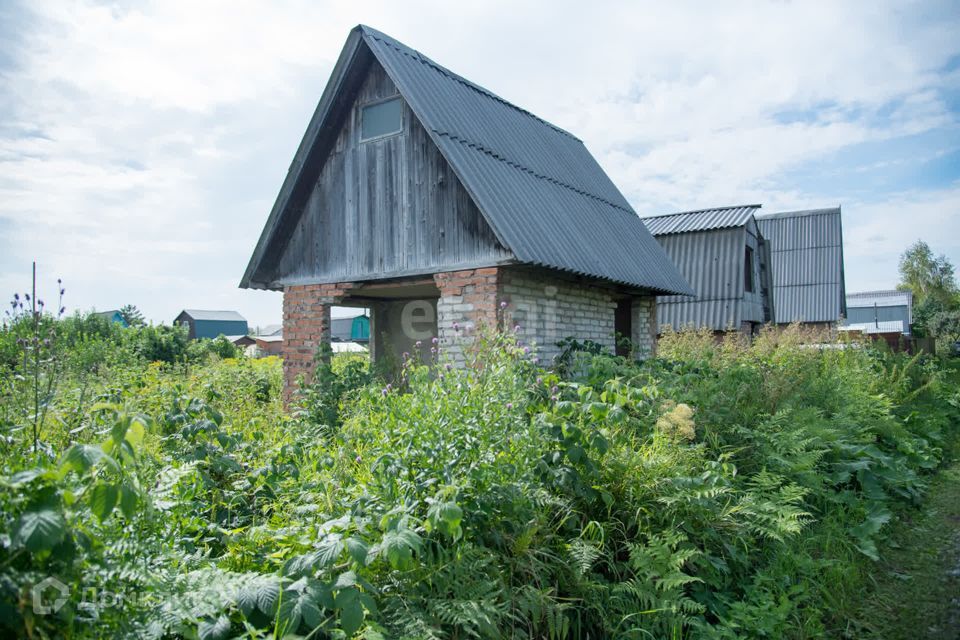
x=917, y=582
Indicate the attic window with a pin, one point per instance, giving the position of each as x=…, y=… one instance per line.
x=381, y=119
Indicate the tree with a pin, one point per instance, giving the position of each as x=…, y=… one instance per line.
x=929, y=277
x=132, y=316
x=945, y=326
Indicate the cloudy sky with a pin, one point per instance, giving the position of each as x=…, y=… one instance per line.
x=142, y=143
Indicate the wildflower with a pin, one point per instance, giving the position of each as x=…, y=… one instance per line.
x=503, y=305
x=677, y=421
x=433, y=349
x=406, y=355
x=526, y=350
x=383, y=392
x=358, y=459
x=418, y=344
x=554, y=389
x=516, y=329
x=509, y=406
x=449, y=366
x=456, y=326
x=435, y=340
x=389, y=386
x=539, y=380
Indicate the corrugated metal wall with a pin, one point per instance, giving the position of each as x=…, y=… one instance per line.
x=712, y=262
x=807, y=256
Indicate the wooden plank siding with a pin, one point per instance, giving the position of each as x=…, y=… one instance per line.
x=385, y=207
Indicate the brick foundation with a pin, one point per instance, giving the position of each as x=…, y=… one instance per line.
x=306, y=324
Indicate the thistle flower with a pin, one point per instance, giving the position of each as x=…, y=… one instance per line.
x=526, y=350
x=503, y=305
x=539, y=380
x=418, y=344
x=509, y=406
x=435, y=340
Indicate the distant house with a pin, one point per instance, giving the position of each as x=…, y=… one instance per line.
x=269, y=345
x=439, y=205
x=806, y=250
x=271, y=330
x=210, y=324
x=889, y=311
x=352, y=329
x=241, y=341
x=725, y=259
x=114, y=315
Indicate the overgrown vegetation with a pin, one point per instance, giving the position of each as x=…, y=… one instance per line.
x=719, y=491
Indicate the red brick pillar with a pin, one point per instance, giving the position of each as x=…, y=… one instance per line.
x=306, y=325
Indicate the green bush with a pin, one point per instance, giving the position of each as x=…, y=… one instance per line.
x=722, y=490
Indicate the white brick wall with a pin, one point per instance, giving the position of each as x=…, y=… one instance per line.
x=546, y=308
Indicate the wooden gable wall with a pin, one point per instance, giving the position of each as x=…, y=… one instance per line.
x=385, y=208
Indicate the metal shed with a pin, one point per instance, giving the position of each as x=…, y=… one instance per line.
x=723, y=256
x=807, y=265
x=210, y=324
x=873, y=310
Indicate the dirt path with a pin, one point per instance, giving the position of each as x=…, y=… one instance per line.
x=917, y=591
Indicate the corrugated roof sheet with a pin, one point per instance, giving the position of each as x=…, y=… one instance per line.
x=807, y=255
x=884, y=326
x=202, y=314
x=890, y=298
x=542, y=192
x=701, y=219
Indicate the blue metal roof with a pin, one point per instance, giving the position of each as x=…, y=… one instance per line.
x=701, y=219
x=203, y=314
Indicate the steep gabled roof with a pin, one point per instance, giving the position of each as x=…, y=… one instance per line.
x=701, y=219
x=807, y=254
x=542, y=193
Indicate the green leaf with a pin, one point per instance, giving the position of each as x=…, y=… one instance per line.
x=103, y=498
x=329, y=550
x=128, y=500
x=81, y=458
x=399, y=546
x=39, y=530
x=268, y=597
x=351, y=611
x=218, y=629
x=357, y=549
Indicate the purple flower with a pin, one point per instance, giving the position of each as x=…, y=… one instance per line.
x=418, y=344
x=526, y=350
x=456, y=326
x=383, y=392
x=449, y=367
x=509, y=406
x=554, y=389
x=503, y=305
x=433, y=349
x=554, y=398
x=535, y=360
x=539, y=380
x=516, y=328
x=389, y=386
x=406, y=355
x=358, y=459
x=435, y=341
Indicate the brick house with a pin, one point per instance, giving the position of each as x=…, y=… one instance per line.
x=431, y=201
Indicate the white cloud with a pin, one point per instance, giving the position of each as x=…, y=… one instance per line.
x=145, y=142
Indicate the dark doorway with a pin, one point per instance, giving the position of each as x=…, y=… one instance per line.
x=623, y=326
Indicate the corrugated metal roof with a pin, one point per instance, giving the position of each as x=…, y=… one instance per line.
x=807, y=255
x=542, y=192
x=701, y=219
x=202, y=314
x=884, y=326
x=889, y=298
